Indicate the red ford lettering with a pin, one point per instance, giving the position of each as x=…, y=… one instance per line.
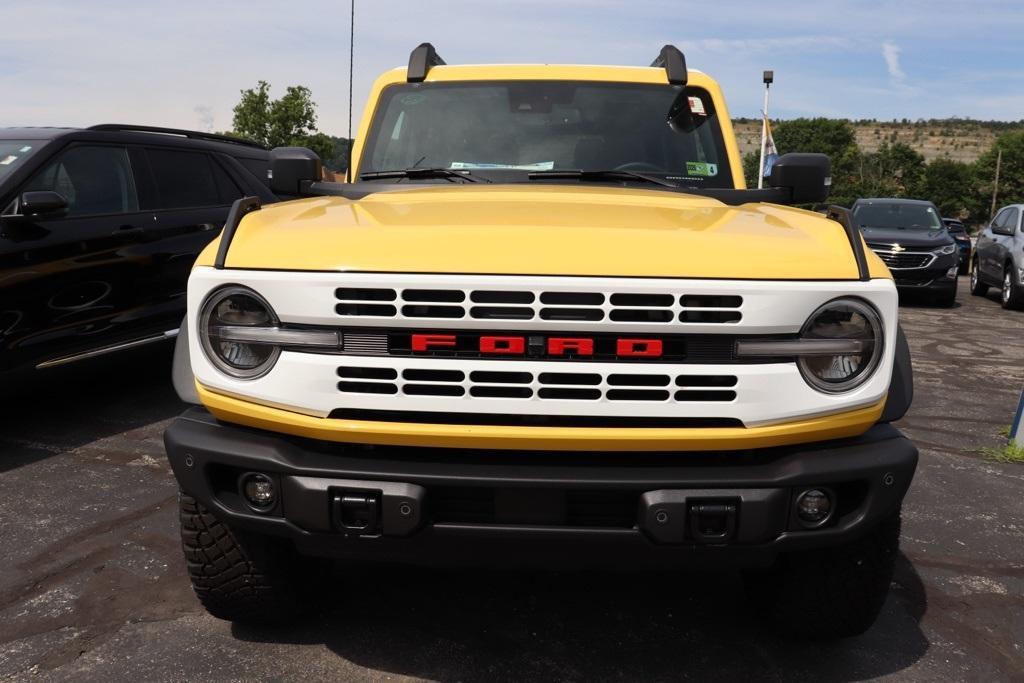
x=634, y=348
x=582, y=347
x=425, y=342
x=509, y=345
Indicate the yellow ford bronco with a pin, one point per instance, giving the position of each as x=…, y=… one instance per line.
x=543, y=322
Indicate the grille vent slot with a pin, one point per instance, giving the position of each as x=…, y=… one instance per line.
x=498, y=304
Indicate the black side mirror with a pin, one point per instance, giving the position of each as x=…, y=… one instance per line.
x=808, y=176
x=42, y=203
x=293, y=170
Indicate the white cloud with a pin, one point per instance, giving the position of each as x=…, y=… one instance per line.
x=891, y=54
x=204, y=114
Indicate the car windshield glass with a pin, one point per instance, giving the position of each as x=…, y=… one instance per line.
x=897, y=215
x=506, y=130
x=13, y=153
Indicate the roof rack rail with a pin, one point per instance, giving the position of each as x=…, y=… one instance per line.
x=421, y=61
x=192, y=134
x=672, y=60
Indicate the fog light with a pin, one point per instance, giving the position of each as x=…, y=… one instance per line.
x=259, y=491
x=813, y=507
x=952, y=272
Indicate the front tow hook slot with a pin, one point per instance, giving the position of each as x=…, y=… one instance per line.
x=712, y=522
x=357, y=514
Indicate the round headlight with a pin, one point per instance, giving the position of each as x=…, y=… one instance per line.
x=843, y=319
x=227, y=312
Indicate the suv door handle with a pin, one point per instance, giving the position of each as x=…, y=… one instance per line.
x=206, y=227
x=127, y=230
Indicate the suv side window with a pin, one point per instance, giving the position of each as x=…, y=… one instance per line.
x=188, y=180
x=95, y=180
x=1009, y=223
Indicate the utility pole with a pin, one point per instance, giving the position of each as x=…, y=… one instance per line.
x=351, y=61
x=995, y=186
x=768, y=78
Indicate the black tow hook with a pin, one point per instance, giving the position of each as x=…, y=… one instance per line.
x=712, y=522
x=356, y=514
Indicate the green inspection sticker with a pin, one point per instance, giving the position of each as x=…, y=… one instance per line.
x=701, y=168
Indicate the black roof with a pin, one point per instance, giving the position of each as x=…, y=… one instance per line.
x=235, y=146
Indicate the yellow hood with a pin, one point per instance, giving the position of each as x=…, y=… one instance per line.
x=544, y=230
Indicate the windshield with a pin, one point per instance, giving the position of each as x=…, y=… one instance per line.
x=897, y=215
x=14, y=152
x=517, y=127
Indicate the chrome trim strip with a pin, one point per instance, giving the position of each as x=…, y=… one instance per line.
x=104, y=350
x=799, y=347
x=277, y=336
x=882, y=253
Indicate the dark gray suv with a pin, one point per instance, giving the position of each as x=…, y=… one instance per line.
x=910, y=237
x=999, y=258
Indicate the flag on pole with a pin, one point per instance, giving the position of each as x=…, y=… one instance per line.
x=771, y=153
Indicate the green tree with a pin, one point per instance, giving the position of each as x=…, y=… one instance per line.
x=289, y=121
x=893, y=171
x=1011, y=172
x=951, y=186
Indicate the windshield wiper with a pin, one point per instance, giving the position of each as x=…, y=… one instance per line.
x=413, y=173
x=602, y=175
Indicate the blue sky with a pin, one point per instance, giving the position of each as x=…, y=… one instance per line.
x=182, y=63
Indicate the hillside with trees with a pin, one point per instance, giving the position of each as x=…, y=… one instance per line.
x=951, y=163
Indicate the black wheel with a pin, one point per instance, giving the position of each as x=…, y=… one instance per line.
x=236, y=577
x=1012, y=296
x=831, y=592
x=978, y=288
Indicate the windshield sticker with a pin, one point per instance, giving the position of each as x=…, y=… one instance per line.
x=8, y=160
x=697, y=106
x=700, y=168
x=538, y=166
x=26, y=148
x=413, y=99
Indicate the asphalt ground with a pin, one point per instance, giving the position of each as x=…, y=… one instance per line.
x=92, y=582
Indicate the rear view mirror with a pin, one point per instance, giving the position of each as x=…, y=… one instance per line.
x=42, y=203
x=680, y=116
x=807, y=176
x=293, y=170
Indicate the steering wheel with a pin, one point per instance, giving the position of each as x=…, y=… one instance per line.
x=639, y=166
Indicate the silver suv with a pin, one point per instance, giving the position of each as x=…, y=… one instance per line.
x=999, y=258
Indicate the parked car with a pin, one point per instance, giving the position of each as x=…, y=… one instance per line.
x=999, y=258
x=98, y=231
x=958, y=232
x=909, y=235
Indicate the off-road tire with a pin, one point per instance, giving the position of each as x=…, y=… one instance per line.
x=236, y=578
x=1012, y=294
x=978, y=288
x=831, y=592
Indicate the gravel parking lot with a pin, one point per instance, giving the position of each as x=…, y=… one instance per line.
x=93, y=585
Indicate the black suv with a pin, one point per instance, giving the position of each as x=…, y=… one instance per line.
x=99, y=228
x=910, y=237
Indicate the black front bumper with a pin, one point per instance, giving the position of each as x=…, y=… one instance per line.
x=433, y=506
x=932, y=279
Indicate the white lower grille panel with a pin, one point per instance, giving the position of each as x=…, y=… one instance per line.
x=308, y=383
